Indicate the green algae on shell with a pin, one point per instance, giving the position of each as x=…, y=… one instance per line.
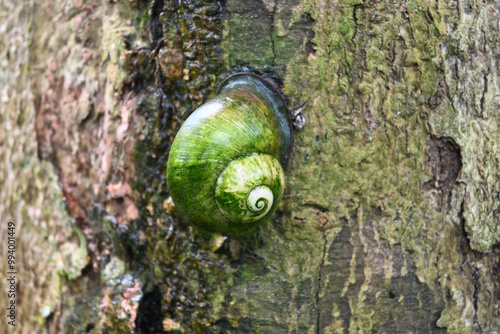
x=224, y=170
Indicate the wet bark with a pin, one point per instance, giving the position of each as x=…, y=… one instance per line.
x=390, y=218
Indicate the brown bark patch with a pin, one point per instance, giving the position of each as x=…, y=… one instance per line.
x=444, y=164
x=436, y=99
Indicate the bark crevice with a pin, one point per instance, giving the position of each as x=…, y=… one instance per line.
x=273, y=18
x=318, y=292
x=469, y=269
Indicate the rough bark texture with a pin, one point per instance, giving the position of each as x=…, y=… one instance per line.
x=390, y=217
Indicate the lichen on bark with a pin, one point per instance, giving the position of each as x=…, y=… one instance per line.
x=389, y=221
x=377, y=79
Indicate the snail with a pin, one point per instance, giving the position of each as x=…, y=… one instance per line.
x=225, y=167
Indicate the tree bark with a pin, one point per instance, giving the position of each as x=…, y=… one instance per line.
x=389, y=222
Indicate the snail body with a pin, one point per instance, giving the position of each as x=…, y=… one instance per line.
x=224, y=170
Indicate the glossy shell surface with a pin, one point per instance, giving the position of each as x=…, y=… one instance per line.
x=224, y=170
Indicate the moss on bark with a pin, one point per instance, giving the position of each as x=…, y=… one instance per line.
x=389, y=221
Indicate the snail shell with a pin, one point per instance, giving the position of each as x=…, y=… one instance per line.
x=224, y=170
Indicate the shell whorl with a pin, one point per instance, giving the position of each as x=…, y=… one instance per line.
x=260, y=199
x=248, y=187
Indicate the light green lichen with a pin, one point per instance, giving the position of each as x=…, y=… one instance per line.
x=368, y=86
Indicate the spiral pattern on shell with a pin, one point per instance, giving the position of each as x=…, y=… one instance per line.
x=224, y=171
x=246, y=188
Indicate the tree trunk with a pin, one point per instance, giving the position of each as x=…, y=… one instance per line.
x=390, y=218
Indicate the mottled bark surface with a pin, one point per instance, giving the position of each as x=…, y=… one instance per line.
x=390, y=217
